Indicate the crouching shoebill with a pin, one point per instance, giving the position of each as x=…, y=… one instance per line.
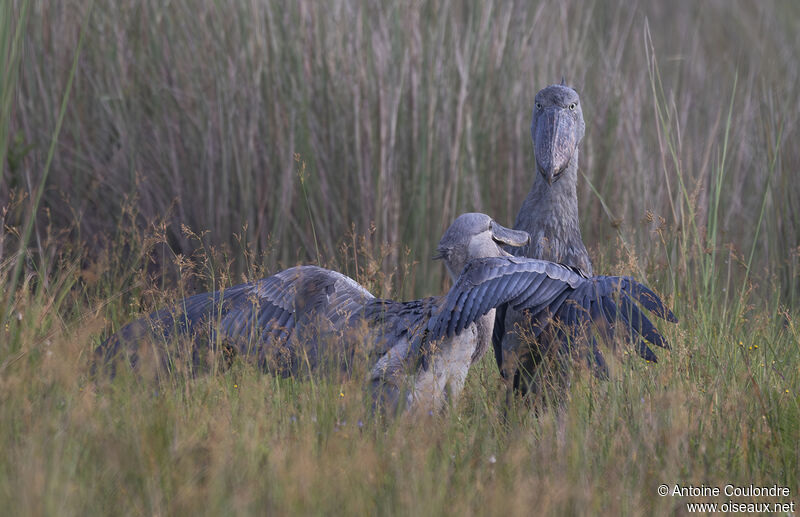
x=290, y=322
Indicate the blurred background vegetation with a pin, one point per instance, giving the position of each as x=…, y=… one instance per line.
x=295, y=127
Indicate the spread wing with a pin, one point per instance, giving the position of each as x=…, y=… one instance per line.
x=489, y=282
x=552, y=293
x=187, y=317
x=250, y=315
x=275, y=306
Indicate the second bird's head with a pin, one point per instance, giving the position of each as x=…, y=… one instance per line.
x=557, y=128
x=475, y=235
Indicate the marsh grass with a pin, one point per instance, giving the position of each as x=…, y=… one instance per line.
x=721, y=407
x=404, y=116
x=350, y=135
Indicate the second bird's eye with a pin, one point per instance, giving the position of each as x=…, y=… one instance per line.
x=573, y=105
x=538, y=105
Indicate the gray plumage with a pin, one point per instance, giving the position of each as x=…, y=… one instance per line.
x=550, y=211
x=420, y=350
x=255, y=319
x=548, y=292
x=550, y=215
x=289, y=321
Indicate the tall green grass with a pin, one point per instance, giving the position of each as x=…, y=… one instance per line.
x=11, y=32
x=350, y=134
x=723, y=406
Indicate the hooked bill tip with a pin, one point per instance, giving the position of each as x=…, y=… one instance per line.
x=549, y=174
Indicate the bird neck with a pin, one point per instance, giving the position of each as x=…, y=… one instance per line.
x=547, y=204
x=550, y=215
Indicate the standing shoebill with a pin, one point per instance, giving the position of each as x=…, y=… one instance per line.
x=550, y=215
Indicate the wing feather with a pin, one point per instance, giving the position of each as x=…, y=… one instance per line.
x=649, y=300
x=549, y=292
x=270, y=306
x=615, y=315
x=489, y=282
